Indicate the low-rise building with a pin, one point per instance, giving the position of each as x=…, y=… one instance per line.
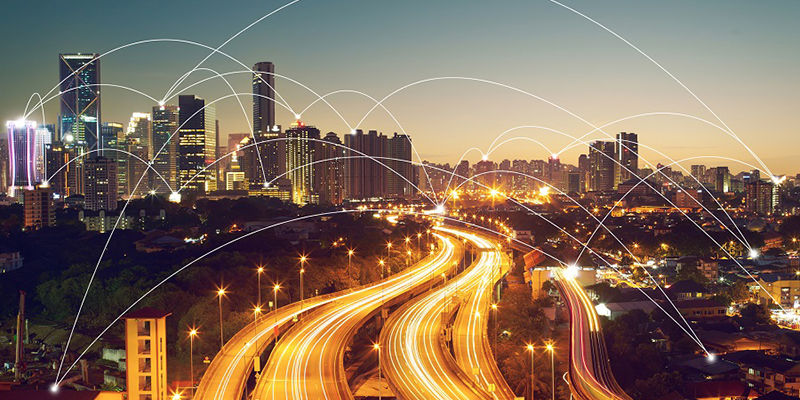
x=10, y=259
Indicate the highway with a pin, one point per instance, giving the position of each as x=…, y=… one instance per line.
x=417, y=362
x=590, y=374
x=308, y=361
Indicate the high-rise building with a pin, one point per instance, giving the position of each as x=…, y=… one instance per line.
x=39, y=207
x=758, y=197
x=264, y=160
x=400, y=176
x=5, y=180
x=165, y=146
x=146, y=354
x=138, y=139
x=79, y=117
x=699, y=172
x=101, y=184
x=626, y=149
x=115, y=147
x=601, y=159
x=722, y=180
x=484, y=175
x=331, y=171
x=56, y=158
x=44, y=136
x=21, y=155
x=365, y=178
x=300, y=156
x=196, y=145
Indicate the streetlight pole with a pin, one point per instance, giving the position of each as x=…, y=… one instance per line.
x=275, y=294
x=533, y=382
x=552, y=369
x=302, y=272
x=380, y=388
x=349, y=260
x=260, y=271
x=256, y=356
x=494, y=333
x=220, y=293
x=389, y=252
x=192, y=334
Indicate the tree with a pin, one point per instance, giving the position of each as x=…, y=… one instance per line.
x=755, y=314
x=657, y=386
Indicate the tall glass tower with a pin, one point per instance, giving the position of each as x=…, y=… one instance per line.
x=79, y=118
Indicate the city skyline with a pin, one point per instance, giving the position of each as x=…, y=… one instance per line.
x=433, y=113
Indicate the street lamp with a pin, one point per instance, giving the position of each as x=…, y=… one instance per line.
x=220, y=293
x=389, y=252
x=494, y=308
x=275, y=290
x=349, y=259
x=531, y=349
x=256, y=355
x=551, y=349
x=383, y=268
x=260, y=271
x=192, y=334
x=377, y=348
x=302, y=272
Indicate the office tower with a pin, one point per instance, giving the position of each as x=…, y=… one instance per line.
x=79, y=117
x=5, y=180
x=138, y=140
x=44, y=136
x=365, y=178
x=300, y=156
x=101, y=184
x=165, y=146
x=601, y=165
x=56, y=158
x=722, y=180
x=39, y=207
x=553, y=170
x=400, y=174
x=759, y=197
x=626, y=149
x=573, y=182
x=21, y=155
x=699, y=172
x=331, y=171
x=462, y=175
x=196, y=145
x=265, y=160
x=115, y=148
x=585, y=167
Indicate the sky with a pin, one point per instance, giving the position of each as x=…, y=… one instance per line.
x=529, y=63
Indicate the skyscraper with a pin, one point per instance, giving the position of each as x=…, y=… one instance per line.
x=401, y=174
x=79, y=117
x=138, y=139
x=165, y=146
x=112, y=135
x=331, y=172
x=101, y=184
x=21, y=155
x=601, y=160
x=365, y=178
x=39, y=208
x=759, y=197
x=196, y=145
x=271, y=155
x=722, y=180
x=300, y=156
x=626, y=149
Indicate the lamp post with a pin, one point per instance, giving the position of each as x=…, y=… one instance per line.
x=349, y=260
x=551, y=349
x=377, y=347
x=494, y=333
x=220, y=293
x=256, y=356
x=275, y=290
x=260, y=271
x=302, y=272
x=419, y=235
x=533, y=382
x=192, y=334
x=389, y=252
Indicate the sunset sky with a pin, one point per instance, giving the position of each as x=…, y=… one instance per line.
x=742, y=58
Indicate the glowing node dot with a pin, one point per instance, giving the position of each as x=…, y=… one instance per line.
x=712, y=357
x=440, y=209
x=753, y=253
x=353, y=132
x=175, y=197
x=54, y=388
x=297, y=116
x=485, y=157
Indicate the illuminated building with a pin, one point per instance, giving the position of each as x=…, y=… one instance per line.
x=112, y=135
x=138, y=140
x=781, y=288
x=626, y=149
x=759, y=197
x=146, y=354
x=689, y=198
x=401, y=180
x=165, y=143
x=722, y=180
x=300, y=156
x=39, y=208
x=197, y=145
x=484, y=175
x=331, y=172
x=101, y=184
x=699, y=171
x=272, y=154
x=79, y=117
x=601, y=165
x=365, y=178
x=44, y=136
x=21, y=155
